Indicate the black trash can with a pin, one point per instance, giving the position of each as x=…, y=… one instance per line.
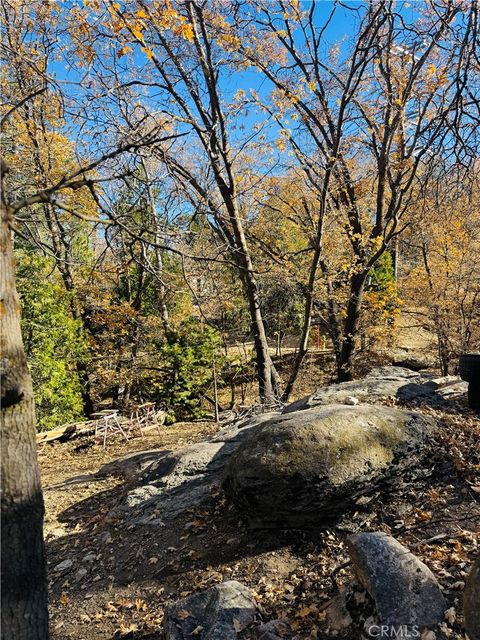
x=470, y=372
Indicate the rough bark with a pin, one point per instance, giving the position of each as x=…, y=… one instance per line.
x=24, y=584
x=350, y=331
x=268, y=379
x=202, y=104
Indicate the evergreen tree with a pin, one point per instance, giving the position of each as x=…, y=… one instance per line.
x=54, y=341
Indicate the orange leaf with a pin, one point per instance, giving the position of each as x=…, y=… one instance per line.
x=182, y=614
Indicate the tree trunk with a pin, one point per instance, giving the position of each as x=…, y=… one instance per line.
x=307, y=320
x=350, y=330
x=24, y=583
x=303, y=346
x=310, y=288
x=161, y=291
x=443, y=349
x=268, y=378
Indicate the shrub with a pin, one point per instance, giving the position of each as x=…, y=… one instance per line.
x=186, y=365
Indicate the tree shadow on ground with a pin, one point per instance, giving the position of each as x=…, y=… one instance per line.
x=113, y=556
x=207, y=533
x=431, y=394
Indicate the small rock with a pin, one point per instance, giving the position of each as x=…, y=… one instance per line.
x=406, y=593
x=81, y=573
x=272, y=630
x=90, y=557
x=105, y=538
x=218, y=613
x=471, y=602
x=63, y=566
x=351, y=400
x=337, y=615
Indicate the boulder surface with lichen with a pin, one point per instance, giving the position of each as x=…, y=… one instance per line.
x=304, y=468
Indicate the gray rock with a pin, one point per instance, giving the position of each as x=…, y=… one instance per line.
x=406, y=593
x=90, y=557
x=411, y=359
x=382, y=382
x=216, y=614
x=81, y=573
x=238, y=432
x=177, y=467
x=337, y=614
x=272, y=630
x=166, y=484
x=471, y=602
x=132, y=465
x=436, y=392
x=140, y=495
x=63, y=566
x=389, y=372
x=171, y=482
x=178, y=481
x=386, y=382
x=166, y=504
x=303, y=468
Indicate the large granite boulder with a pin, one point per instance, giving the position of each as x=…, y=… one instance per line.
x=219, y=613
x=237, y=432
x=407, y=595
x=176, y=467
x=165, y=484
x=303, y=468
x=177, y=481
x=471, y=602
x=172, y=482
x=411, y=359
x=131, y=465
x=381, y=382
x=386, y=382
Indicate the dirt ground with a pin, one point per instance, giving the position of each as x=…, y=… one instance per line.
x=117, y=578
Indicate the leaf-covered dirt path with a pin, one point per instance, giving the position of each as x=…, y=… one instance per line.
x=110, y=579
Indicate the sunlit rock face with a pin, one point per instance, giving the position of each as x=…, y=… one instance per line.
x=304, y=468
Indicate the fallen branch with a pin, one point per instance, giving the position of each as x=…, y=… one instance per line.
x=67, y=431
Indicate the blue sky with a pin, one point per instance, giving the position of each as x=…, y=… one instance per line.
x=339, y=31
